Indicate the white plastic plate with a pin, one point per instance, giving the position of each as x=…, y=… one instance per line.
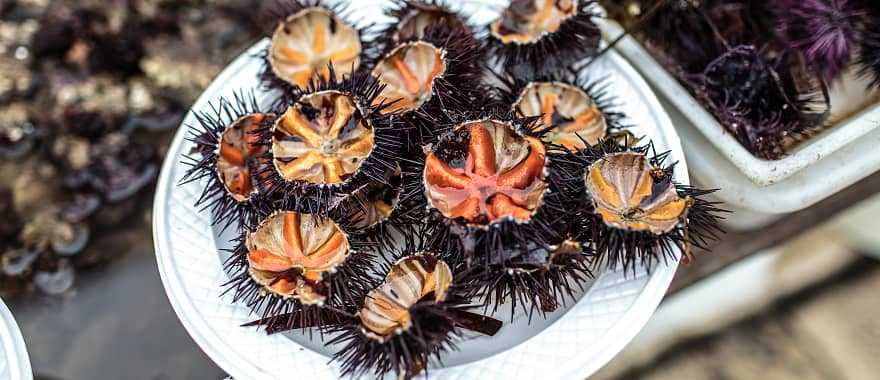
x=570, y=343
x=14, y=361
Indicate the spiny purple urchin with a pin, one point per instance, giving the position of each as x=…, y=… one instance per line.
x=825, y=31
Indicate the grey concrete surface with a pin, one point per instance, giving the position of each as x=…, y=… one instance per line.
x=116, y=324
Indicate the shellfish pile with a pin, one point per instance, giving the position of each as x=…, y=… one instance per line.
x=408, y=180
x=90, y=92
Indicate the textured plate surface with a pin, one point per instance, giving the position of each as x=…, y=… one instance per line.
x=572, y=343
x=14, y=361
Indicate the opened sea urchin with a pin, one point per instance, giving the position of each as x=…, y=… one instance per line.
x=330, y=141
x=296, y=270
x=229, y=154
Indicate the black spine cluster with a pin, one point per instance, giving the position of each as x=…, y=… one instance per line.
x=869, y=58
x=206, y=135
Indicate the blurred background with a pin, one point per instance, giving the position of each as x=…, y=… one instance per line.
x=91, y=93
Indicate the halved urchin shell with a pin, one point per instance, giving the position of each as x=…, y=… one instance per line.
x=408, y=73
x=305, y=43
x=537, y=37
x=386, y=308
x=414, y=18
x=229, y=153
x=500, y=175
x=375, y=202
x=290, y=253
x=527, y=21
x=239, y=146
x=627, y=195
x=573, y=118
x=330, y=142
x=321, y=139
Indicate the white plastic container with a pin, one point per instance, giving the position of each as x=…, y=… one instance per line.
x=572, y=343
x=14, y=361
x=815, y=169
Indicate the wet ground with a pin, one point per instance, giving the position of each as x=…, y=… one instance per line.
x=827, y=331
x=116, y=324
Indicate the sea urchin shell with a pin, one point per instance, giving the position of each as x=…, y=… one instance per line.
x=409, y=72
x=543, y=36
x=305, y=42
x=290, y=253
x=629, y=194
x=331, y=141
x=415, y=17
x=237, y=149
x=322, y=139
x=627, y=207
x=230, y=153
x=413, y=315
x=386, y=309
x=575, y=119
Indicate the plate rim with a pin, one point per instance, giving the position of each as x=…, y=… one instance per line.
x=13, y=346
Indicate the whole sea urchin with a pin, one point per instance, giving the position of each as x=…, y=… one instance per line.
x=827, y=32
x=629, y=208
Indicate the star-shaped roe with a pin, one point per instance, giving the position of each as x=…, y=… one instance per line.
x=322, y=139
x=289, y=254
x=501, y=176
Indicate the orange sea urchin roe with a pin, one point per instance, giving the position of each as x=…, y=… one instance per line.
x=386, y=308
x=527, y=21
x=237, y=148
x=322, y=139
x=307, y=41
x=408, y=73
x=575, y=118
x=501, y=176
x=289, y=254
x=627, y=196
